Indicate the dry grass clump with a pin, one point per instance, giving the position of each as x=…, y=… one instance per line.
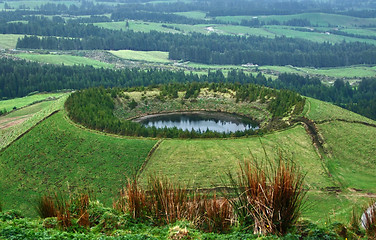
x=165, y=203
x=266, y=199
x=65, y=209
x=269, y=199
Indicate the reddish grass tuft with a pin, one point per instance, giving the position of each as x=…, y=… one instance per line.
x=268, y=199
x=132, y=199
x=45, y=207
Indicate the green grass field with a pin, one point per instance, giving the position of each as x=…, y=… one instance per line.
x=353, y=154
x=193, y=14
x=318, y=111
x=137, y=26
x=102, y=162
x=56, y=154
x=351, y=72
x=148, y=56
x=314, y=36
x=321, y=19
x=64, y=59
x=22, y=102
x=203, y=163
x=9, y=41
x=30, y=116
x=242, y=30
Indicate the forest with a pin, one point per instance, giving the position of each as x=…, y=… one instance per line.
x=19, y=78
x=200, y=48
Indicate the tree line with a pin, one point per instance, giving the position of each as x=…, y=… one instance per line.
x=18, y=78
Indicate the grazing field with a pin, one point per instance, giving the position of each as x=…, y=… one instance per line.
x=9, y=41
x=30, y=117
x=203, y=163
x=320, y=19
x=352, y=72
x=56, y=154
x=18, y=117
x=193, y=14
x=243, y=30
x=64, y=59
x=353, y=151
x=137, y=26
x=147, y=56
x=360, y=31
x=322, y=111
x=319, y=37
x=22, y=102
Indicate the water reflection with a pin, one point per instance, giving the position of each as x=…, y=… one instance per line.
x=200, y=121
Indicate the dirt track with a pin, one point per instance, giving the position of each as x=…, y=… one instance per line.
x=9, y=122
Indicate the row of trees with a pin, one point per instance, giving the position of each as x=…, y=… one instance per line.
x=18, y=78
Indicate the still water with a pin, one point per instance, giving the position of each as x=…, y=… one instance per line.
x=217, y=122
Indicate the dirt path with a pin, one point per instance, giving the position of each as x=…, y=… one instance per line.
x=9, y=122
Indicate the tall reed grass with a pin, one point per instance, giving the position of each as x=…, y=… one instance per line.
x=165, y=202
x=267, y=198
x=65, y=209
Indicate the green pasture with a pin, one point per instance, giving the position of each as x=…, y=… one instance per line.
x=203, y=163
x=147, y=56
x=352, y=150
x=314, y=36
x=140, y=26
x=137, y=26
x=243, y=30
x=9, y=41
x=58, y=155
x=350, y=72
x=320, y=19
x=192, y=14
x=24, y=101
x=64, y=59
x=32, y=115
x=322, y=111
x=360, y=31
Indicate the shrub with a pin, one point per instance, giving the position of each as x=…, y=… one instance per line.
x=217, y=215
x=165, y=202
x=168, y=202
x=269, y=199
x=45, y=207
x=65, y=209
x=132, y=200
x=10, y=215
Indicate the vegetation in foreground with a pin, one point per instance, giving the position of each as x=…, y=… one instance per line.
x=58, y=153
x=263, y=202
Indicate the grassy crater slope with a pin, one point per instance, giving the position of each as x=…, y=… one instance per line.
x=57, y=154
x=341, y=179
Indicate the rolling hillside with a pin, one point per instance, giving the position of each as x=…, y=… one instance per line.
x=57, y=152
